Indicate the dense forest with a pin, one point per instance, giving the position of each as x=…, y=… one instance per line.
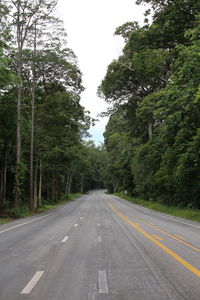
x=153, y=134
x=43, y=153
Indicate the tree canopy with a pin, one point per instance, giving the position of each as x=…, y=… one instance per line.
x=153, y=92
x=43, y=153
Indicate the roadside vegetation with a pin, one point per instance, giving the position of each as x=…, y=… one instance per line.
x=11, y=214
x=153, y=134
x=44, y=156
x=186, y=213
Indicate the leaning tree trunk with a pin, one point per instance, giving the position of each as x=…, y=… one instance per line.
x=70, y=184
x=150, y=131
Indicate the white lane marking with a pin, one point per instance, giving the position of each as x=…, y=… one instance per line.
x=103, y=285
x=170, y=218
x=99, y=239
x=64, y=239
x=75, y=225
x=81, y=218
x=163, y=215
x=34, y=220
x=99, y=225
x=22, y=224
x=28, y=288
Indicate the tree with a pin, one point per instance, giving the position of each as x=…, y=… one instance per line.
x=154, y=87
x=23, y=16
x=47, y=94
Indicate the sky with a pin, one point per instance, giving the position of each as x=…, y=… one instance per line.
x=90, y=26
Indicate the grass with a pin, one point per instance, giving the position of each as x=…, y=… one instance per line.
x=50, y=205
x=5, y=220
x=186, y=213
x=22, y=212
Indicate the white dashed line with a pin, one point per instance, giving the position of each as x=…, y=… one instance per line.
x=99, y=225
x=99, y=239
x=103, y=285
x=64, y=239
x=75, y=225
x=28, y=288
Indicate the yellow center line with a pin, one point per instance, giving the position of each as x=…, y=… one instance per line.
x=174, y=236
x=159, y=244
x=178, y=236
x=158, y=237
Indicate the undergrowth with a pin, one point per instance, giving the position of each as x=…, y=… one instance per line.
x=22, y=212
x=186, y=213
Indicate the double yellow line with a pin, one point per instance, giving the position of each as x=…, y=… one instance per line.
x=174, y=237
x=159, y=244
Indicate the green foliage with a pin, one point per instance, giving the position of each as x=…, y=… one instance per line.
x=153, y=89
x=52, y=120
x=21, y=212
x=186, y=213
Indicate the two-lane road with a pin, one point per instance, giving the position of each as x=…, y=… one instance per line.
x=100, y=247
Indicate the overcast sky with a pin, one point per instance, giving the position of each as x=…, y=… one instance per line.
x=90, y=26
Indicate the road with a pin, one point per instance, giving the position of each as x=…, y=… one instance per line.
x=100, y=247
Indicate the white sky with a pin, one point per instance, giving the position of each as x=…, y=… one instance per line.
x=90, y=26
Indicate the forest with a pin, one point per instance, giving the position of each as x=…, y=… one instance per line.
x=43, y=151
x=152, y=139
x=153, y=89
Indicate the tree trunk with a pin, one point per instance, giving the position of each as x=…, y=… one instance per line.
x=17, y=189
x=32, y=150
x=53, y=186
x=5, y=177
x=67, y=183
x=70, y=183
x=1, y=187
x=48, y=186
x=59, y=188
x=32, y=196
x=150, y=132
x=56, y=188
x=17, y=186
x=35, y=187
x=40, y=185
x=115, y=187
x=82, y=187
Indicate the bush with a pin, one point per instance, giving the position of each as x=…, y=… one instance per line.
x=18, y=212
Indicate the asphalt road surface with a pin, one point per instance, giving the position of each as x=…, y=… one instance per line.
x=100, y=247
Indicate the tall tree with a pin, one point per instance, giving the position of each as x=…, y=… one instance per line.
x=155, y=85
x=22, y=14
